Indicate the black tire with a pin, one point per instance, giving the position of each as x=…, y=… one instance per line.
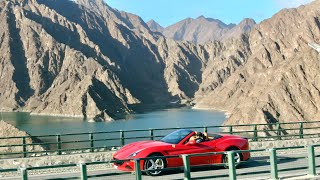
x=237, y=156
x=152, y=164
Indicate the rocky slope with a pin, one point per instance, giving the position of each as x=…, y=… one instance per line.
x=154, y=26
x=52, y=66
x=279, y=81
x=203, y=30
x=7, y=130
x=83, y=58
x=244, y=27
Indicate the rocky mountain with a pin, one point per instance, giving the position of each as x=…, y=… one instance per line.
x=202, y=30
x=244, y=27
x=84, y=59
x=154, y=26
x=279, y=80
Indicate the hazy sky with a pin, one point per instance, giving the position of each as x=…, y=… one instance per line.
x=167, y=12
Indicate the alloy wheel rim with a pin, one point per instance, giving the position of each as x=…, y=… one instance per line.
x=154, y=164
x=237, y=158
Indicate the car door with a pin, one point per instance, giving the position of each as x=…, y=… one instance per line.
x=198, y=148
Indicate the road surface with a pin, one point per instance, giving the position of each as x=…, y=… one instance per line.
x=289, y=166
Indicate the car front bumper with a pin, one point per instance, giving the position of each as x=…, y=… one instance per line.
x=124, y=166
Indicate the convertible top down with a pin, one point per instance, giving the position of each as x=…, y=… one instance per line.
x=180, y=142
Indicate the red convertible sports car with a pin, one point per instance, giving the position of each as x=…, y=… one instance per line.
x=177, y=143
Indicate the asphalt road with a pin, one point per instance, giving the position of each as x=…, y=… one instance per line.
x=289, y=166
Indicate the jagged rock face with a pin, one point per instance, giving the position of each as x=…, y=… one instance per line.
x=187, y=65
x=279, y=80
x=54, y=65
x=244, y=27
x=203, y=30
x=224, y=59
x=154, y=26
x=85, y=59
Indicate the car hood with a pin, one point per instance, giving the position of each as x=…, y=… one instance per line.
x=127, y=150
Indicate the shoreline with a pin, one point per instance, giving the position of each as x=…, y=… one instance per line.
x=45, y=114
x=136, y=111
x=56, y=115
x=226, y=113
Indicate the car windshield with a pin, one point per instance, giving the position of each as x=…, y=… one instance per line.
x=214, y=136
x=176, y=136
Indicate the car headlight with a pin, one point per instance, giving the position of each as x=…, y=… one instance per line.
x=135, y=153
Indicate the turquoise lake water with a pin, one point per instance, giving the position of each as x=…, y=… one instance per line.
x=169, y=118
x=183, y=117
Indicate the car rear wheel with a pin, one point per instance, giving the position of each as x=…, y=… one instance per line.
x=237, y=157
x=155, y=164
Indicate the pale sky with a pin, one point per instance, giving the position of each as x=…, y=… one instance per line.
x=167, y=12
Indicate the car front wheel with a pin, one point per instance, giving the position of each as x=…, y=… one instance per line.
x=154, y=164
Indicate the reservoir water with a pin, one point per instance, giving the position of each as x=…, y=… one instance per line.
x=169, y=118
x=183, y=117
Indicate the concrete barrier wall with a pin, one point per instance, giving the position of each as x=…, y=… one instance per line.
x=55, y=160
x=283, y=143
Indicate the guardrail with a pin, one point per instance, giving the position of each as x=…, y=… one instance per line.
x=104, y=141
x=273, y=158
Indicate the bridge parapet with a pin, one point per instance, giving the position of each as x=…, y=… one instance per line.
x=62, y=144
x=270, y=156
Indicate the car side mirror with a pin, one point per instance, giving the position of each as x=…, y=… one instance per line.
x=191, y=143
